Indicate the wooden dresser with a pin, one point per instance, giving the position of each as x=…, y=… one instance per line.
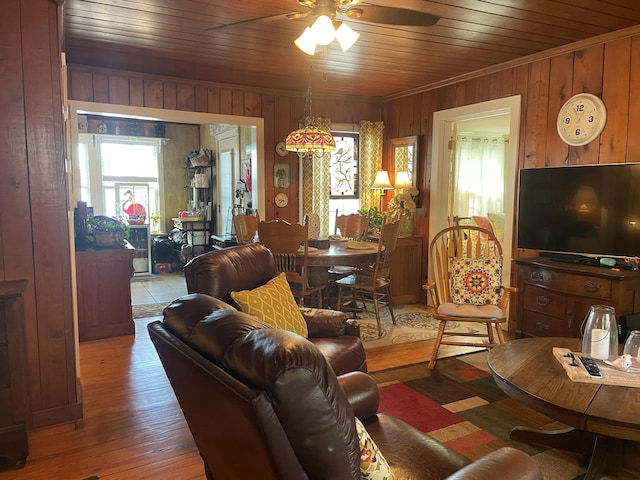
x=104, y=292
x=554, y=297
x=406, y=271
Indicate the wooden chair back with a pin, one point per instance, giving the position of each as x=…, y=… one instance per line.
x=386, y=248
x=284, y=239
x=457, y=242
x=352, y=226
x=245, y=226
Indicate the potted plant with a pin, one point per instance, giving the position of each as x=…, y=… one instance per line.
x=107, y=232
x=375, y=219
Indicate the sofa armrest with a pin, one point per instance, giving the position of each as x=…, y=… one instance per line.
x=362, y=393
x=511, y=463
x=328, y=323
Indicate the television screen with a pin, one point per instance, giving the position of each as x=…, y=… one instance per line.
x=592, y=209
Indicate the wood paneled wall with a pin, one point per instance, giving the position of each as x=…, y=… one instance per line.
x=34, y=228
x=610, y=70
x=281, y=111
x=34, y=235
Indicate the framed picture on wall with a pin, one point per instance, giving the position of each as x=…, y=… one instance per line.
x=281, y=175
x=245, y=173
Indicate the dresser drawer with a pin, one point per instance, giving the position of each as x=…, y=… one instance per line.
x=539, y=325
x=544, y=301
x=571, y=283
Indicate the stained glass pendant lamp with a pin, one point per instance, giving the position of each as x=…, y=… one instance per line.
x=309, y=139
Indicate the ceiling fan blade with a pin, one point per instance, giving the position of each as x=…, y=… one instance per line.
x=267, y=18
x=297, y=15
x=393, y=16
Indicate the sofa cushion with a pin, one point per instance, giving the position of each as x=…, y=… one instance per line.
x=373, y=465
x=476, y=281
x=273, y=303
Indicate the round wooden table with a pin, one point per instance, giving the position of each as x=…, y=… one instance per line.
x=319, y=262
x=339, y=254
x=606, y=417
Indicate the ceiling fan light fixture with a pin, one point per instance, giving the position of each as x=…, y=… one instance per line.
x=306, y=42
x=323, y=30
x=346, y=36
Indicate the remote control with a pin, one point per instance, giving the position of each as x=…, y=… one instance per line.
x=592, y=367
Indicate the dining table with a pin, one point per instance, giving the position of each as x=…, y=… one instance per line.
x=340, y=252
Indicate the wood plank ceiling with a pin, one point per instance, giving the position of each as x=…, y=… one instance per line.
x=174, y=37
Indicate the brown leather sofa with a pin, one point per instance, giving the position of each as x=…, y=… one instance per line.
x=245, y=267
x=264, y=403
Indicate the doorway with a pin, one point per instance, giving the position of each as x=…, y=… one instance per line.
x=445, y=127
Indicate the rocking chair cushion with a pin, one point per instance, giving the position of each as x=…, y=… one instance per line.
x=470, y=311
x=476, y=281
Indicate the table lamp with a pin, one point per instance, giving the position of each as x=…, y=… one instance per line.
x=382, y=183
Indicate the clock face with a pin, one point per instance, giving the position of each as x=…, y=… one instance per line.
x=282, y=200
x=281, y=149
x=581, y=119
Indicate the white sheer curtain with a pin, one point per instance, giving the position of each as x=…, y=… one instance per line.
x=479, y=175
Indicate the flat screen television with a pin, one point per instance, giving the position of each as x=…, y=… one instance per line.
x=589, y=209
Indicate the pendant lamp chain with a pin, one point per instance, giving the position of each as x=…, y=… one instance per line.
x=309, y=139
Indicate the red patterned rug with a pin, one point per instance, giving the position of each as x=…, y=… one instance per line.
x=461, y=406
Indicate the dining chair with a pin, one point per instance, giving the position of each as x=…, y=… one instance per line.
x=465, y=285
x=372, y=286
x=245, y=226
x=352, y=226
x=289, y=244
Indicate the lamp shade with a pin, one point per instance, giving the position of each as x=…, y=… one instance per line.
x=306, y=42
x=323, y=30
x=382, y=181
x=402, y=180
x=310, y=140
x=346, y=36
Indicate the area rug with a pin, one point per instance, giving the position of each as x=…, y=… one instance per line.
x=147, y=310
x=461, y=406
x=413, y=323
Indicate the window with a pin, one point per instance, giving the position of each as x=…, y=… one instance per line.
x=119, y=175
x=344, y=169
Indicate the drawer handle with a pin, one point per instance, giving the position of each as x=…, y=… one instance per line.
x=542, y=326
x=537, y=276
x=591, y=287
x=543, y=301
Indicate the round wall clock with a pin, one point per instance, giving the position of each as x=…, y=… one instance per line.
x=581, y=119
x=281, y=149
x=282, y=200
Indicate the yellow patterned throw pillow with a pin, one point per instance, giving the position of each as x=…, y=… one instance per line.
x=273, y=303
x=373, y=466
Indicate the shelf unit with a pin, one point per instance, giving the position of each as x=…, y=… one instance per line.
x=140, y=239
x=199, y=231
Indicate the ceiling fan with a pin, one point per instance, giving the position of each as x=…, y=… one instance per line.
x=328, y=24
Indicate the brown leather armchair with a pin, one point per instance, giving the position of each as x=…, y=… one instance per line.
x=245, y=267
x=264, y=403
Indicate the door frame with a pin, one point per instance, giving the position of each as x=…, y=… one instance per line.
x=440, y=166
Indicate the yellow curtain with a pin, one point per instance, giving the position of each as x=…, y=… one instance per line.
x=370, y=161
x=316, y=182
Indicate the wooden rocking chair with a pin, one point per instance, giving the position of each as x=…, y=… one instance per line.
x=465, y=268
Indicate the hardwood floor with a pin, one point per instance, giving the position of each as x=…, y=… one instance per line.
x=133, y=427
